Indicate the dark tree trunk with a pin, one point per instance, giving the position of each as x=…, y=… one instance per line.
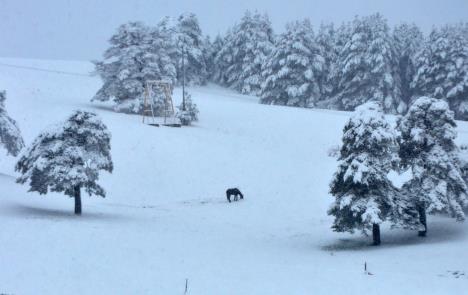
x=423, y=220
x=77, y=193
x=376, y=234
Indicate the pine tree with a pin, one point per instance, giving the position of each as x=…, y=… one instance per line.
x=245, y=51
x=364, y=196
x=293, y=72
x=331, y=43
x=408, y=40
x=163, y=47
x=223, y=58
x=188, y=111
x=463, y=161
x=217, y=68
x=208, y=54
x=159, y=98
x=10, y=135
x=137, y=54
x=190, y=54
x=326, y=41
x=68, y=158
x=442, y=69
x=427, y=147
x=368, y=67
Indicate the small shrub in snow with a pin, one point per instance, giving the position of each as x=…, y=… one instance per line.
x=10, y=136
x=190, y=113
x=364, y=196
x=68, y=158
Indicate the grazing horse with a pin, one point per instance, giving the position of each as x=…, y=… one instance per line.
x=234, y=192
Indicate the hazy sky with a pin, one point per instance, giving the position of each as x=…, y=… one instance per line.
x=79, y=29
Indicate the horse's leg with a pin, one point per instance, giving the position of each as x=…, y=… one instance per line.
x=228, y=196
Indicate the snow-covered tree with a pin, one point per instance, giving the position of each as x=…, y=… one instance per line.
x=223, y=58
x=209, y=55
x=364, y=196
x=368, y=67
x=187, y=111
x=68, y=158
x=10, y=135
x=293, y=71
x=427, y=147
x=216, y=70
x=442, y=69
x=159, y=98
x=408, y=40
x=326, y=40
x=190, y=51
x=163, y=46
x=463, y=161
x=137, y=54
x=331, y=43
x=245, y=51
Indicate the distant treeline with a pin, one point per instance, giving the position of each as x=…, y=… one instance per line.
x=336, y=67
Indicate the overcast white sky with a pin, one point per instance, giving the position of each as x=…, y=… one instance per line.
x=79, y=29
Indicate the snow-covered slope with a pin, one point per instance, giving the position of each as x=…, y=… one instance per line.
x=166, y=218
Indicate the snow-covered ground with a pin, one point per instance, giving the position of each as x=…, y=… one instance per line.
x=166, y=219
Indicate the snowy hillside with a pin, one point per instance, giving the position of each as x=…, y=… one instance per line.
x=166, y=218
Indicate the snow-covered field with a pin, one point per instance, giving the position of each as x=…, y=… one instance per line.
x=166, y=219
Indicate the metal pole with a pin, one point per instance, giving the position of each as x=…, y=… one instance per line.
x=183, y=76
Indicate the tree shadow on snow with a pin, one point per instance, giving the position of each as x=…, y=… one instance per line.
x=442, y=231
x=101, y=107
x=21, y=210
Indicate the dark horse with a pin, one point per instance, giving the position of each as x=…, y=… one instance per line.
x=234, y=192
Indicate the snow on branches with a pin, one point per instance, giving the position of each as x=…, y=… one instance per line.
x=427, y=147
x=10, y=135
x=68, y=157
x=364, y=196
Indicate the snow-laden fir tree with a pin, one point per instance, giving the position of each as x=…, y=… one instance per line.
x=463, y=161
x=223, y=58
x=163, y=46
x=368, y=67
x=326, y=40
x=217, y=68
x=408, y=40
x=427, y=147
x=137, y=54
x=10, y=135
x=159, y=98
x=442, y=69
x=190, y=51
x=245, y=50
x=68, y=158
x=364, y=196
x=208, y=54
x=293, y=71
x=331, y=42
x=187, y=111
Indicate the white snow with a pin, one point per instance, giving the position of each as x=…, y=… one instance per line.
x=166, y=218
